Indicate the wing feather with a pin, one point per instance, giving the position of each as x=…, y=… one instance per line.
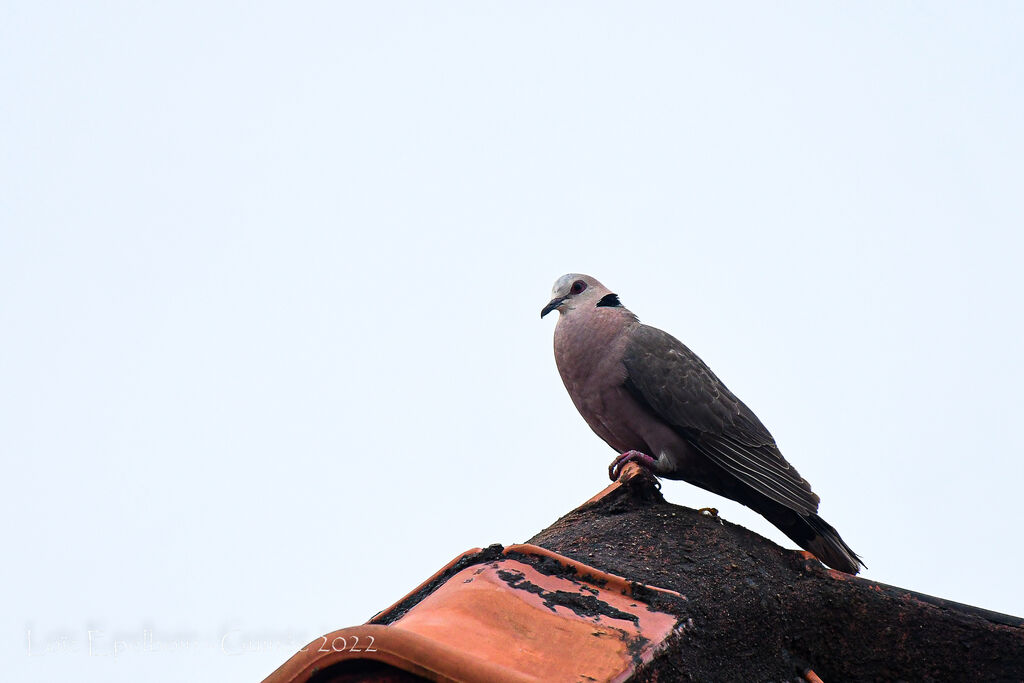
x=678, y=387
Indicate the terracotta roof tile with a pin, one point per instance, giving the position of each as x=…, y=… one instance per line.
x=521, y=613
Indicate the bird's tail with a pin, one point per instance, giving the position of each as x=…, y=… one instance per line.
x=806, y=529
x=828, y=546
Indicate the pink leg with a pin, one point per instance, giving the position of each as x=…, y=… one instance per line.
x=642, y=459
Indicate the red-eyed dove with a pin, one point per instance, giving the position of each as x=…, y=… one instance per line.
x=657, y=404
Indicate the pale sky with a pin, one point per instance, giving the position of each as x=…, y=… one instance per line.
x=270, y=277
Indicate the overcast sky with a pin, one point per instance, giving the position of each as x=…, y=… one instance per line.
x=270, y=277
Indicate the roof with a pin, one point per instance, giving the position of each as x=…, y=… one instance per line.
x=716, y=601
x=505, y=614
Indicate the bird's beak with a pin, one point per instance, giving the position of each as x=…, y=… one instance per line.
x=552, y=305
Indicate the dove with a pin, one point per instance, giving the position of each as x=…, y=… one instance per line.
x=657, y=404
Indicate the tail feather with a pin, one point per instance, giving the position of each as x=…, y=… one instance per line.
x=812, y=533
x=807, y=530
x=828, y=546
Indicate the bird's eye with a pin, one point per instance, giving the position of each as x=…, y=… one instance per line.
x=578, y=287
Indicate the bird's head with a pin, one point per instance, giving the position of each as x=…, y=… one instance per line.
x=576, y=291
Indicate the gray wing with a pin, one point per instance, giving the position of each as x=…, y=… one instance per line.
x=679, y=388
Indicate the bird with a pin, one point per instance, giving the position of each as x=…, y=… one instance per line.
x=659, y=405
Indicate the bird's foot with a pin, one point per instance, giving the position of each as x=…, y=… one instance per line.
x=642, y=459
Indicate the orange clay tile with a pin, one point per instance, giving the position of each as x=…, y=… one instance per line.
x=523, y=613
x=628, y=472
x=812, y=677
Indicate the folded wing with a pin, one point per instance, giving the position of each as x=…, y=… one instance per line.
x=679, y=388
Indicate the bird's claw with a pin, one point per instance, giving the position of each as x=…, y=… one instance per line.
x=642, y=459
